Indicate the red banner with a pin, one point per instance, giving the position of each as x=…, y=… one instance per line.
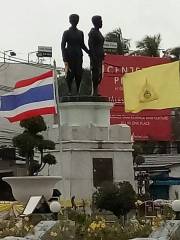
x=145, y=125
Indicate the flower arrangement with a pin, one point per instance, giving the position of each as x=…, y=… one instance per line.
x=15, y=227
x=96, y=228
x=82, y=227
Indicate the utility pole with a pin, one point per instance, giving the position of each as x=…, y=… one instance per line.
x=12, y=53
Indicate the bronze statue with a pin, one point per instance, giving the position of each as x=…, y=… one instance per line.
x=96, y=42
x=71, y=45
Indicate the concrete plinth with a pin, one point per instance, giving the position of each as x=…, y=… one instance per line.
x=85, y=113
x=87, y=136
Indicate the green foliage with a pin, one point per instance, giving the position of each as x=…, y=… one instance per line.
x=176, y=53
x=96, y=228
x=123, y=44
x=168, y=213
x=30, y=140
x=34, y=125
x=138, y=150
x=86, y=83
x=81, y=228
x=63, y=230
x=118, y=198
x=49, y=159
x=149, y=45
x=139, y=160
x=45, y=144
x=62, y=86
x=15, y=227
x=25, y=142
x=76, y=216
x=85, y=88
x=148, y=147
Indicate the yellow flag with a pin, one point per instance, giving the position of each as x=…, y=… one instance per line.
x=156, y=87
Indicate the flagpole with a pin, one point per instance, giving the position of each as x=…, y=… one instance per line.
x=58, y=105
x=59, y=127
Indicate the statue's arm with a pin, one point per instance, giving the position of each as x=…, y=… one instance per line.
x=63, y=47
x=83, y=46
x=92, y=43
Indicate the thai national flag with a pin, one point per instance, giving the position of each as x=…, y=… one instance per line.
x=30, y=97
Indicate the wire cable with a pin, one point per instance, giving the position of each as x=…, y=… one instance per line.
x=23, y=61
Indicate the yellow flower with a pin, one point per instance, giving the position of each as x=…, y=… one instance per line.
x=93, y=226
x=103, y=225
x=26, y=219
x=98, y=225
x=53, y=234
x=19, y=224
x=26, y=228
x=12, y=229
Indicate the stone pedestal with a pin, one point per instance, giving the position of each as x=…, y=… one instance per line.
x=87, y=136
x=85, y=113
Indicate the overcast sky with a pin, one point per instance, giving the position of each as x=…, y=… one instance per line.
x=25, y=24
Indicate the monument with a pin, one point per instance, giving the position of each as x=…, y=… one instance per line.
x=92, y=150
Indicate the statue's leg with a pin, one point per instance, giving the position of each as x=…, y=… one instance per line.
x=100, y=71
x=78, y=73
x=70, y=76
x=95, y=71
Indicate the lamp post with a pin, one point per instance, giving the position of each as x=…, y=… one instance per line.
x=55, y=208
x=12, y=53
x=176, y=208
x=30, y=54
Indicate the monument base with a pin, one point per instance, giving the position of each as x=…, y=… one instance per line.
x=85, y=110
x=92, y=150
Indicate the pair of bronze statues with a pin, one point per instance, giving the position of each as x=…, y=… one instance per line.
x=72, y=45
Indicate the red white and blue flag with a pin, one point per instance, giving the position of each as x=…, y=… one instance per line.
x=30, y=97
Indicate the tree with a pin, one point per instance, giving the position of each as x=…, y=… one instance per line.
x=118, y=198
x=62, y=86
x=123, y=44
x=139, y=160
x=85, y=88
x=176, y=52
x=86, y=83
x=137, y=150
x=48, y=159
x=173, y=53
x=31, y=140
x=149, y=46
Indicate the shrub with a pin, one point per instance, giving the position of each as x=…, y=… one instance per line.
x=118, y=198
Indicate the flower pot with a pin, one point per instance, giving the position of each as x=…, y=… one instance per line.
x=26, y=186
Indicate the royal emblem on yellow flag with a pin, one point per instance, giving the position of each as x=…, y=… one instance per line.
x=156, y=87
x=147, y=93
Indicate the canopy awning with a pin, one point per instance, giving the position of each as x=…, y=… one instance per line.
x=167, y=182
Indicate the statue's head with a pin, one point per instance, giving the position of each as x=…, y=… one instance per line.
x=97, y=21
x=74, y=19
